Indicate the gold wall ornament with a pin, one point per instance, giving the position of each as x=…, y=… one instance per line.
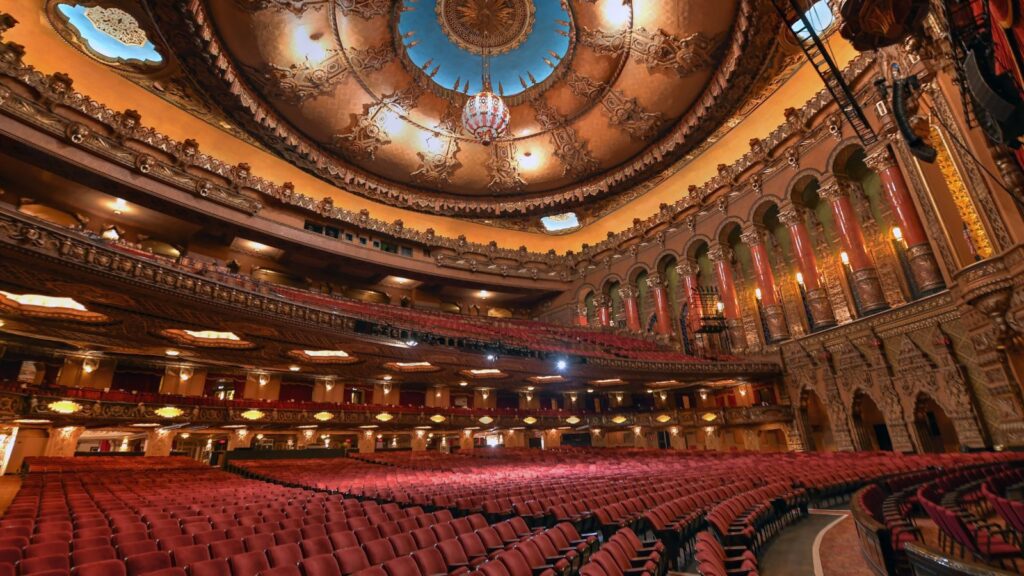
x=252, y=415
x=168, y=412
x=974, y=228
x=64, y=407
x=323, y=416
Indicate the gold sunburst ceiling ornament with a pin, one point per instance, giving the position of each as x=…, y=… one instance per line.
x=169, y=412
x=252, y=415
x=64, y=407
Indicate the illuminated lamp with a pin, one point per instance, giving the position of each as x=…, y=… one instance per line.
x=90, y=364
x=168, y=412
x=323, y=416
x=663, y=418
x=437, y=418
x=619, y=419
x=252, y=414
x=573, y=420
x=485, y=420
x=709, y=417
x=530, y=420
x=64, y=407
x=384, y=417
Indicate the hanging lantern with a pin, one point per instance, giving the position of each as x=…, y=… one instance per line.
x=485, y=116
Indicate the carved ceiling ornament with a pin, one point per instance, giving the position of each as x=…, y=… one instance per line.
x=577, y=161
x=365, y=9
x=605, y=43
x=302, y=81
x=297, y=7
x=439, y=161
x=486, y=26
x=503, y=168
x=368, y=132
x=694, y=53
x=626, y=113
x=117, y=24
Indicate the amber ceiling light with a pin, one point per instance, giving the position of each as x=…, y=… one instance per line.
x=206, y=338
x=50, y=307
x=169, y=412
x=252, y=414
x=64, y=407
x=322, y=356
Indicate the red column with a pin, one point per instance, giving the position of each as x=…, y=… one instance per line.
x=720, y=256
x=817, y=297
x=687, y=271
x=863, y=275
x=661, y=308
x=774, y=316
x=923, y=266
x=604, y=311
x=628, y=295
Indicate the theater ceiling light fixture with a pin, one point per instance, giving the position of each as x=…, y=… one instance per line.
x=369, y=426
x=146, y=425
x=169, y=412
x=323, y=416
x=573, y=420
x=307, y=427
x=485, y=373
x=172, y=352
x=530, y=420
x=185, y=373
x=64, y=407
x=665, y=383
x=546, y=379
x=437, y=418
x=295, y=368
x=709, y=417
x=323, y=356
x=619, y=419
x=608, y=381
x=43, y=301
x=663, y=418
x=211, y=335
x=384, y=417
x=252, y=414
x=485, y=420
x=233, y=426
x=32, y=421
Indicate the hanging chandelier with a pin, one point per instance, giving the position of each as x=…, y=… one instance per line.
x=485, y=114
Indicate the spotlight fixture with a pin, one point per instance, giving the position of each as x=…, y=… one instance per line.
x=172, y=352
x=562, y=364
x=410, y=343
x=491, y=356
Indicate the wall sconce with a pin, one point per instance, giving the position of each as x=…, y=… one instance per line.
x=308, y=434
x=529, y=397
x=800, y=278
x=437, y=393
x=637, y=430
x=185, y=373
x=720, y=306
x=242, y=433
x=467, y=433
x=595, y=431
x=743, y=391
x=386, y=388
x=703, y=394
x=572, y=397
x=897, y=234
x=394, y=441
x=329, y=385
x=264, y=379
x=259, y=436
x=709, y=430
x=485, y=393
x=844, y=258
x=419, y=433
x=590, y=390
x=674, y=430
x=90, y=364
x=618, y=397
x=369, y=433
x=120, y=205
x=757, y=293
x=184, y=435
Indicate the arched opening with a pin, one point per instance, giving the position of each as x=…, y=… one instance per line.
x=773, y=440
x=869, y=424
x=816, y=423
x=934, y=428
x=612, y=292
x=591, y=306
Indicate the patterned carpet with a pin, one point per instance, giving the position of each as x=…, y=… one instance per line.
x=840, y=551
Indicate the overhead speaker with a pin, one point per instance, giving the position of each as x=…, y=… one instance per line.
x=997, y=105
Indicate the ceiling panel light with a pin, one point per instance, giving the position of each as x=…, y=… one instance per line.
x=252, y=414
x=169, y=412
x=64, y=407
x=323, y=416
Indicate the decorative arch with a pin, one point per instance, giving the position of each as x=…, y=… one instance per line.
x=798, y=183
x=725, y=227
x=663, y=256
x=607, y=283
x=693, y=245
x=841, y=154
x=758, y=210
x=635, y=271
x=584, y=291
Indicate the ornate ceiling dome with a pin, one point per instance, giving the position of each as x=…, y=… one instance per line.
x=603, y=94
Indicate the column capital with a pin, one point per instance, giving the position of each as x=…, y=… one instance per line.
x=790, y=214
x=720, y=253
x=581, y=309
x=654, y=280
x=833, y=189
x=880, y=158
x=687, y=268
x=627, y=292
x=752, y=234
x=601, y=301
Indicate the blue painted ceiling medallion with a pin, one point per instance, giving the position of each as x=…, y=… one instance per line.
x=111, y=33
x=525, y=40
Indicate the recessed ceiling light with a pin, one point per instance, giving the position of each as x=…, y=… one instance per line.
x=483, y=294
x=172, y=352
x=120, y=205
x=463, y=383
x=233, y=426
x=146, y=425
x=31, y=421
x=295, y=368
x=387, y=377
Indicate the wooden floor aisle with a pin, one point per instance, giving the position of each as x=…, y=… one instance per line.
x=8, y=488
